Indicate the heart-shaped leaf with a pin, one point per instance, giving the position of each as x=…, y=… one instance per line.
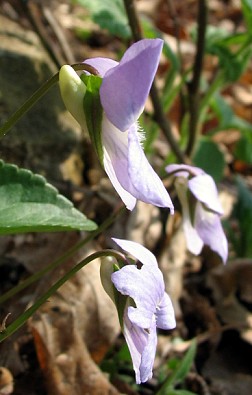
x=29, y=204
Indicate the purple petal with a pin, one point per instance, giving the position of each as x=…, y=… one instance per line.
x=165, y=318
x=204, y=189
x=125, y=88
x=102, y=65
x=137, y=339
x=145, y=286
x=140, y=317
x=129, y=170
x=145, y=183
x=138, y=251
x=148, y=355
x=194, y=242
x=115, y=148
x=209, y=228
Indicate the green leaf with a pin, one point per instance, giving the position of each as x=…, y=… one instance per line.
x=243, y=149
x=242, y=212
x=232, y=64
x=229, y=120
x=29, y=204
x=109, y=15
x=180, y=372
x=93, y=111
x=209, y=158
x=226, y=116
x=247, y=12
x=232, y=50
x=186, y=364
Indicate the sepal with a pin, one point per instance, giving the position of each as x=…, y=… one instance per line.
x=73, y=90
x=109, y=265
x=93, y=111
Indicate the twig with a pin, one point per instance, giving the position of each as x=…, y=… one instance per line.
x=194, y=84
x=159, y=114
x=59, y=34
x=176, y=24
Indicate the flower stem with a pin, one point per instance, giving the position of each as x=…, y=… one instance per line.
x=159, y=114
x=29, y=103
x=194, y=84
x=53, y=265
x=15, y=325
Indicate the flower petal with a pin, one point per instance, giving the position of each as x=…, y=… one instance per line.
x=182, y=170
x=138, y=251
x=209, y=228
x=129, y=170
x=145, y=183
x=115, y=161
x=194, y=242
x=140, y=317
x=148, y=355
x=125, y=88
x=137, y=339
x=145, y=286
x=102, y=65
x=165, y=318
x=204, y=189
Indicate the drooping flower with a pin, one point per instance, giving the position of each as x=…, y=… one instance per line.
x=112, y=119
x=148, y=307
x=201, y=209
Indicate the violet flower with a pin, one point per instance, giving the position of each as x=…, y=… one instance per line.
x=123, y=92
x=201, y=209
x=149, y=307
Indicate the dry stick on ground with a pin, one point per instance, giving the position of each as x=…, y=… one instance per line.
x=159, y=114
x=194, y=84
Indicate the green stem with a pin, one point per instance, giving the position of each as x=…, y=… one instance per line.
x=15, y=325
x=35, y=277
x=14, y=118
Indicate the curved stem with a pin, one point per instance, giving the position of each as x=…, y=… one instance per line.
x=53, y=265
x=14, y=118
x=15, y=325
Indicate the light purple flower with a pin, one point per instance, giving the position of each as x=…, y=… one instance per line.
x=149, y=307
x=201, y=215
x=123, y=93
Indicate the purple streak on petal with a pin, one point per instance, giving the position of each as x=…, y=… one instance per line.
x=145, y=183
x=204, y=189
x=148, y=354
x=102, y=65
x=125, y=88
x=138, y=251
x=165, y=317
x=209, y=228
